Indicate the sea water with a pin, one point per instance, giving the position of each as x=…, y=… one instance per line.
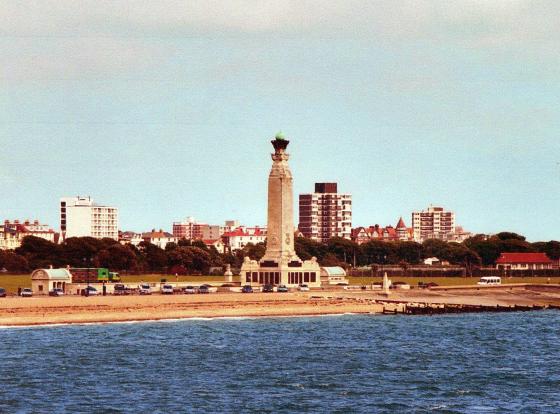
x=470, y=363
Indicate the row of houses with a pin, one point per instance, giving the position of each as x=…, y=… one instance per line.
x=12, y=233
x=233, y=240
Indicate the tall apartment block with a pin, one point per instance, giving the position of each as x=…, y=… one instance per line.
x=325, y=213
x=81, y=217
x=433, y=223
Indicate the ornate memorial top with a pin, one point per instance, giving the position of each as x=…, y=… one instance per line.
x=280, y=142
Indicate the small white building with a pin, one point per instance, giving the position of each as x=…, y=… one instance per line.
x=45, y=280
x=334, y=275
x=431, y=261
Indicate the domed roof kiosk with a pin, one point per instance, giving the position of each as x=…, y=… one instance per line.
x=45, y=280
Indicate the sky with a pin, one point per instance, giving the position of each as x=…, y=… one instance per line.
x=165, y=109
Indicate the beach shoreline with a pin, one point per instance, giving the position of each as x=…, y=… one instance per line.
x=43, y=311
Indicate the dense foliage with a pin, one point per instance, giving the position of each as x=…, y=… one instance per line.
x=194, y=257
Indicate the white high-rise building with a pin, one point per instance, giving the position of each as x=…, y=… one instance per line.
x=433, y=223
x=81, y=217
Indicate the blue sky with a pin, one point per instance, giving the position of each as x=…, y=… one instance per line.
x=165, y=109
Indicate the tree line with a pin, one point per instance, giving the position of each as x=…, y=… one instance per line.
x=194, y=257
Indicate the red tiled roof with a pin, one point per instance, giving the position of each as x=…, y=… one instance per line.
x=400, y=224
x=251, y=231
x=210, y=242
x=523, y=258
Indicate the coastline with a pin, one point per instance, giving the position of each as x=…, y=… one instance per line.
x=78, y=310
x=52, y=311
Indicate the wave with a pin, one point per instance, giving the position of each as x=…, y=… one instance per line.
x=173, y=320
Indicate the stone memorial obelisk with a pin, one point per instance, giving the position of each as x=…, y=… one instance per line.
x=280, y=264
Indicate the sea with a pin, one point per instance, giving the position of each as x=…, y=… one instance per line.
x=468, y=363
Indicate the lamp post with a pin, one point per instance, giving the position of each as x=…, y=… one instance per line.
x=87, y=276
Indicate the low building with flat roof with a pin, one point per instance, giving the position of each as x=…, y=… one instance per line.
x=45, y=280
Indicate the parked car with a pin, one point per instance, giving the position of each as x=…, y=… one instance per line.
x=303, y=288
x=424, y=285
x=121, y=289
x=26, y=293
x=189, y=290
x=268, y=288
x=2, y=293
x=489, y=280
x=90, y=291
x=203, y=289
x=282, y=289
x=145, y=289
x=56, y=292
x=247, y=289
x=167, y=289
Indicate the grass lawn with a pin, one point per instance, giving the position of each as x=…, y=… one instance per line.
x=12, y=282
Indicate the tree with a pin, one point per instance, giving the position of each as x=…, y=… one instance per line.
x=307, y=248
x=345, y=250
x=409, y=251
x=155, y=257
x=506, y=235
x=194, y=259
x=13, y=262
x=487, y=250
x=551, y=249
x=80, y=251
x=378, y=252
x=460, y=254
x=40, y=253
x=117, y=257
x=435, y=248
x=330, y=260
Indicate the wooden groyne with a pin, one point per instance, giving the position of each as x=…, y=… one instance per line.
x=416, y=308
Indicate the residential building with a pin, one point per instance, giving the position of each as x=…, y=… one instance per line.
x=524, y=261
x=81, y=217
x=229, y=225
x=159, y=238
x=191, y=230
x=242, y=236
x=389, y=233
x=13, y=232
x=184, y=229
x=433, y=223
x=326, y=213
x=218, y=244
x=130, y=237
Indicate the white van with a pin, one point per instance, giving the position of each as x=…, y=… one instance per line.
x=490, y=280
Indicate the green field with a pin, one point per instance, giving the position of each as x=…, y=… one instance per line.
x=12, y=282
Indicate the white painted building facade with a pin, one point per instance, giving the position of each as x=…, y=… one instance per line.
x=81, y=217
